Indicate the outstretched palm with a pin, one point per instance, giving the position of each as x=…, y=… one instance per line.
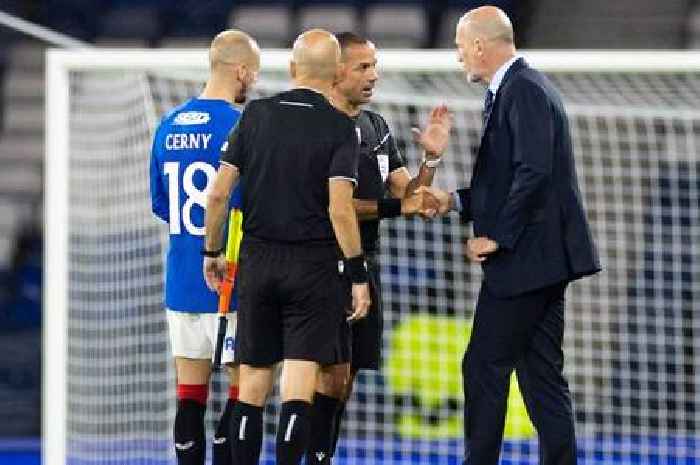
x=436, y=135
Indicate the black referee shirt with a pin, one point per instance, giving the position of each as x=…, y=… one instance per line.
x=287, y=147
x=379, y=156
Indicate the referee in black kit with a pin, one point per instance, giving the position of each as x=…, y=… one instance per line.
x=385, y=189
x=297, y=159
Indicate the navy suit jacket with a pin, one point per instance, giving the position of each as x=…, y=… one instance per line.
x=524, y=192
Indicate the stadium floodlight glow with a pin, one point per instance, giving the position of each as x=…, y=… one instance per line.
x=632, y=337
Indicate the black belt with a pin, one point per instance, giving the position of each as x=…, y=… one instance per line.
x=304, y=251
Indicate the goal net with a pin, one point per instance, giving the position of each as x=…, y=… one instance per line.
x=632, y=340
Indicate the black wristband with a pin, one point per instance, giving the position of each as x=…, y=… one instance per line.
x=211, y=253
x=388, y=208
x=357, y=269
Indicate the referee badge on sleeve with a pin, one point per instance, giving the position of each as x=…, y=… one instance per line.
x=383, y=162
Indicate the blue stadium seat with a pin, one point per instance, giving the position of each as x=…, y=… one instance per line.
x=132, y=22
x=270, y=23
x=621, y=24
x=396, y=26
x=448, y=26
x=195, y=18
x=77, y=18
x=335, y=17
x=313, y=3
x=15, y=7
x=185, y=42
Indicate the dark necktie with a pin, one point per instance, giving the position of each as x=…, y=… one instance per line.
x=488, y=106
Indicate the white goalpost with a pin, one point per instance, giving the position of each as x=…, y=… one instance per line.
x=632, y=339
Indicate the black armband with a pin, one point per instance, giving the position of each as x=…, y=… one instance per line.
x=388, y=208
x=357, y=269
x=212, y=253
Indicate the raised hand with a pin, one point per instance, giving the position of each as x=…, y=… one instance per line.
x=478, y=249
x=436, y=135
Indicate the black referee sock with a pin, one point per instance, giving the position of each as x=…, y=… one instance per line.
x=246, y=433
x=338, y=419
x=190, y=446
x=221, y=445
x=322, y=426
x=293, y=432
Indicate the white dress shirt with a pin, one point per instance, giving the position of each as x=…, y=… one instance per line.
x=497, y=78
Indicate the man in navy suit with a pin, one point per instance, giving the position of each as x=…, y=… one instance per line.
x=531, y=238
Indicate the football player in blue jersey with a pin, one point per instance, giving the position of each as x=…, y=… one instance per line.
x=184, y=161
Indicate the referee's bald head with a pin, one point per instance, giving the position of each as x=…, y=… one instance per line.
x=315, y=56
x=233, y=47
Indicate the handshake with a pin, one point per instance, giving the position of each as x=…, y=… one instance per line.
x=428, y=202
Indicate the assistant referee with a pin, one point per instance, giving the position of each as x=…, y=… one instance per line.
x=297, y=158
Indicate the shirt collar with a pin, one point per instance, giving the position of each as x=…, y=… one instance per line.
x=500, y=74
x=311, y=89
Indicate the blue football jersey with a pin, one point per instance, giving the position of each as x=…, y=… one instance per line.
x=184, y=160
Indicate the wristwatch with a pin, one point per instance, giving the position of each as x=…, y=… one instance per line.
x=431, y=162
x=212, y=253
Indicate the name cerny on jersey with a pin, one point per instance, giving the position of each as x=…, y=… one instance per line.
x=187, y=141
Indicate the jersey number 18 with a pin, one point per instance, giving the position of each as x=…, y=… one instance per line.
x=194, y=195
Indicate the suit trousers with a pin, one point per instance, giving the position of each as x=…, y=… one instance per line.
x=525, y=334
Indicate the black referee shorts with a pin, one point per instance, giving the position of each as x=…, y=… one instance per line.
x=292, y=304
x=367, y=332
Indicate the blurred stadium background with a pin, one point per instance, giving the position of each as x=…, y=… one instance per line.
x=633, y=336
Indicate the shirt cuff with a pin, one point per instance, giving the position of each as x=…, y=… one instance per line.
x=228, y=163
x=456, y=202
x=345, y=178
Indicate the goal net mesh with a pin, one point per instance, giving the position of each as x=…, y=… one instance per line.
x=632, y=340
